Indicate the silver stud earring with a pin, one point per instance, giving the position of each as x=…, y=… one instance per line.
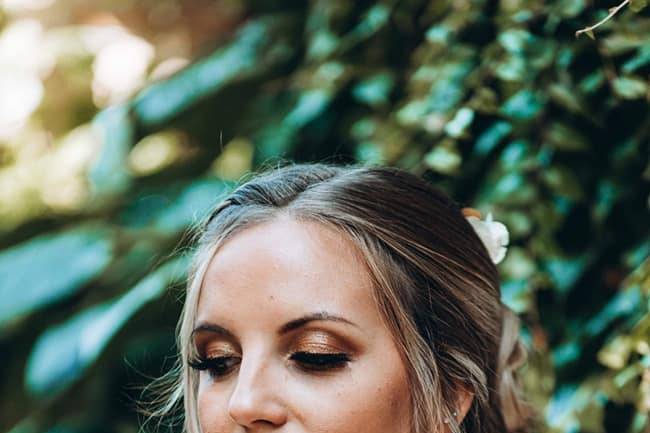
x=454, y=413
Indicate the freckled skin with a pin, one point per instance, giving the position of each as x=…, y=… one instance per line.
x=273, y=273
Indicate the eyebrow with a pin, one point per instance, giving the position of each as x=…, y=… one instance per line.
x=287, y=327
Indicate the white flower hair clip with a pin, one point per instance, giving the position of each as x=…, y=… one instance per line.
x=494, y=234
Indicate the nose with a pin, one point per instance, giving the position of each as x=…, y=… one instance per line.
x=256, y=400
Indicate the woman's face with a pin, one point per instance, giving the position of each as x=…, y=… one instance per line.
x=293, y=340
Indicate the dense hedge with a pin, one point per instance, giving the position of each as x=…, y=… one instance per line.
x=496, y=102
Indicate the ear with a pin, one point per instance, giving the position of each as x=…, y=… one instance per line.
x=464, y=401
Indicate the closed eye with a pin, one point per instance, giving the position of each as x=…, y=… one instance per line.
x=311, y=361
x=217, y=367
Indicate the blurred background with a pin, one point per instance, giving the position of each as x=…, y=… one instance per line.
x=123, y=122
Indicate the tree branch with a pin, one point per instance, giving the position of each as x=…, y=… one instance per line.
x=612, y=11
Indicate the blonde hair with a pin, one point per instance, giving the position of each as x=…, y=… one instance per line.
x=434, y=284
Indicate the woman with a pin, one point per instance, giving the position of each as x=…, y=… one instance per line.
x=348, y=299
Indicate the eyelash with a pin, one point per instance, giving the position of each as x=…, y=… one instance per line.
x=309, y=361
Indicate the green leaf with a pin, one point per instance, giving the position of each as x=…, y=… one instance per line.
x=562, y=206
x=368, y=152
x=374, y=90
x=511, y=188
x=621, y=42
x=564, y=58
x=542, y=53
x=78, y=342
x=515, y=41
x=519, y=224
x=566, y=97
x=259, y=45
x=565, y=353
x=310, y=104
x=412, y=113
x=272, y=141
x=512, y=68
x=438, y=34
x=448, y=89
x=171, y=209
x=364, y=128
x=615, y=353
x=444, y=158
x=563, y=182
x=50, y=268
x=565, y=271
x=484, y=100
x=638, y=61
x=491, y=137
x=558, y=411
x=607, y=193
x=638, y=5
x=592, y=82
x=271, y=136
x=514, y=154
x=457, y=126
x=509, y=184
x=26, y=425
x=634, y=257
x=561, y=136
x=522, y=16
x=630, y=88
x=109, y=175
x=570, y=8
x=620, y=305
x=523, y=105
x=374, y=19
x=518, y=265
x=640, y=422
x=516, y=294
x=322, y=45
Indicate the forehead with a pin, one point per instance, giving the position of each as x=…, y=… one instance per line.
x=284, y=268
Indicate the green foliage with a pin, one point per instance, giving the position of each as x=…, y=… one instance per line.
x=76, y=343
x=498, y=103
x=29, y=280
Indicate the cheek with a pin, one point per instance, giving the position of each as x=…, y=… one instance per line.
x=372, y=396
x=369, y=398
x=380, y=404
x=212, y=410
